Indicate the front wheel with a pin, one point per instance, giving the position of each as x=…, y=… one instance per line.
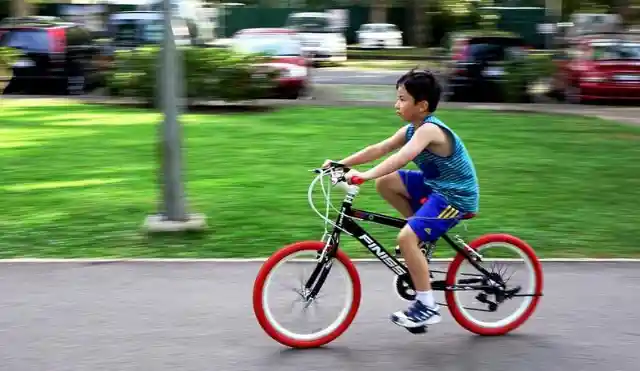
x=265, y=302
x=488, y=296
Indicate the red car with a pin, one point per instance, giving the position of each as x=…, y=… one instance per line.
x=286, y=50
x=599, y=67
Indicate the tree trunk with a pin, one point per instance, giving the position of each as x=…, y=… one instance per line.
x=421, y=25
x=378, y=11
x=20, y=8
x=626, y=10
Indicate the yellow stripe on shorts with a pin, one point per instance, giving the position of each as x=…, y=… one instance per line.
x=448, y=213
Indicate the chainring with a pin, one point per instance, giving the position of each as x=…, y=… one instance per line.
x=404, y=287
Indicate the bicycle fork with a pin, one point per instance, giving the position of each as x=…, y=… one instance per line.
x=323, y=266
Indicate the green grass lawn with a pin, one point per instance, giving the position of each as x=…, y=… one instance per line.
x=78, y=180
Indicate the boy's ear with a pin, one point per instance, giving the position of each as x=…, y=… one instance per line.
x=423, y=106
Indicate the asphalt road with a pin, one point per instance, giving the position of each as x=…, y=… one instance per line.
x=198, y=316
x=344, y=76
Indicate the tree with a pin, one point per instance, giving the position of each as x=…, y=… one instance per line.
x=20, y=8
x=378, y=11
x=629, y=10
x=420, y=21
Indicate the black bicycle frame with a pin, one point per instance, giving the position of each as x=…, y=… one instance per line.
x=347, y=224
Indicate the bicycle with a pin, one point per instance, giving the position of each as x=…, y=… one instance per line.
x=326, y=252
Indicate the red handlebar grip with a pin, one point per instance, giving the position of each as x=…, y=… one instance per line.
x=357, y=180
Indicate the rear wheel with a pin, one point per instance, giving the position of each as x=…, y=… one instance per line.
x=503, y=268
x=265, y=302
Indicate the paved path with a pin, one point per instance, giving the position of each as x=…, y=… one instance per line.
x=198, y=316
x=351, y=76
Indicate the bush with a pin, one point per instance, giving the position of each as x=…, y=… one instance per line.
x=522, y=73
x=8, y=57
x=210, y=74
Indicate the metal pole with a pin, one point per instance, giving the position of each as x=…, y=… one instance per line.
x=174, y=200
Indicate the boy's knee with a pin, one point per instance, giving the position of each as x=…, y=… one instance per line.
x=407, y=236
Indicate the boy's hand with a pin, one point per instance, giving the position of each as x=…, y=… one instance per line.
x=353, y=173
x=327, y=163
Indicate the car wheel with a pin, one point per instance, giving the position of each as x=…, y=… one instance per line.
x=295, y=94
x=572, y=95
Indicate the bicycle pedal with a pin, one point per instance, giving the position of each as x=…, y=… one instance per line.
x=417, y=330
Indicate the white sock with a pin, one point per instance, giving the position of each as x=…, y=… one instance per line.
x=426, y=297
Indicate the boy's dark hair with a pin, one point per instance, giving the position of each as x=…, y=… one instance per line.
x=422, y=86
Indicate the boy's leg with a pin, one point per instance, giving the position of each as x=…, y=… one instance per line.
x=402, y=190
x=430, y=222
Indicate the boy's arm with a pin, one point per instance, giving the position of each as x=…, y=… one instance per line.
x=420, y=140
x=375, y=151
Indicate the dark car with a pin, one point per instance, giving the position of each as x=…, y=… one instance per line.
x=477, y=69
x=57, y=56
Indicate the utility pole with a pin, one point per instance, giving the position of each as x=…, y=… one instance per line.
x=173, y=217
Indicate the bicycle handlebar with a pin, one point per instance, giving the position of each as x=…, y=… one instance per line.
x=356, y=180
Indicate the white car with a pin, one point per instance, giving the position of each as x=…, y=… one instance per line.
x=379, y=35
x=322, y=40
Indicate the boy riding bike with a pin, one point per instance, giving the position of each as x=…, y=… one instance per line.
x=434, y=198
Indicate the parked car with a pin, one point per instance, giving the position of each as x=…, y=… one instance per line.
x=57, y=56
x=598, y=67
x=285, y=48
x=322, y=37
x=131, y=29
x=476, y=70
x=379, y=35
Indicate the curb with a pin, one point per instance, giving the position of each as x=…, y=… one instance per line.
x=261, y=260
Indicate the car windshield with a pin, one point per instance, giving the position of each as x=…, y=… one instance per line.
x=28, y=40
x=495, y=49
x=309, y=24
x=275, y=45
x=378, y=28
x=134, y=32
x=616, y=50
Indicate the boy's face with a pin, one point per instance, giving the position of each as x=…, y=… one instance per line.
x=407, y=108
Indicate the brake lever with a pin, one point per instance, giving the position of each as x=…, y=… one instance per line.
x=338, y=165
x=337, y=171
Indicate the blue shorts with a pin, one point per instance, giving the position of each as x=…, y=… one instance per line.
x=433, y=218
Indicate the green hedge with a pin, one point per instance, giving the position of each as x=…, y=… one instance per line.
x=8, y=57
x=523, y=73
x=210, y=73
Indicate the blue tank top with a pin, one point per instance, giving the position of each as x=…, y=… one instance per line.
x=453, y=177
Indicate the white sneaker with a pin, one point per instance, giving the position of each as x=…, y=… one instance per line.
x=417, y=315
